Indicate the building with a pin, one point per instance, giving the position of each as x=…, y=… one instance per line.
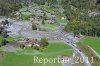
x=28, y=42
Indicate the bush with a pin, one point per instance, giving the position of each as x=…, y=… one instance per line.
x=4, y=34
x=34, y=26
x=36, y=47
x=43, y=21
x=4, y=42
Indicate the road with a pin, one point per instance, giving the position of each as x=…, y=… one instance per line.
x=70, y=41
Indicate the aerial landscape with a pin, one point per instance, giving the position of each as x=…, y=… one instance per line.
x=49, y=32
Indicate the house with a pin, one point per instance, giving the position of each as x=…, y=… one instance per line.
x=28, y=42
x=78, y=35
x=3, y=23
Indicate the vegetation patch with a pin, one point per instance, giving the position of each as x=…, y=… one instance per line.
x=26, y=15
x=93, y=42
x=1, y=55
x=94, y=60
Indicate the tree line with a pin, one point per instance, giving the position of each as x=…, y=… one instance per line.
x=9, y=6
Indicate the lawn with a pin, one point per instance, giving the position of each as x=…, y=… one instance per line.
x=63, y=22
x=48, y=27
x=93, y=42
x=25, y=15
x=26, y=57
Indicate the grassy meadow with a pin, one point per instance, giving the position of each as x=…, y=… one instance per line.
x=93, y=42
x=26, y=56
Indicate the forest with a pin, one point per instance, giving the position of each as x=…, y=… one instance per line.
x=76, y=11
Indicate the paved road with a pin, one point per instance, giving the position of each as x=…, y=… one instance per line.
x=70, y=41
x=87, y=63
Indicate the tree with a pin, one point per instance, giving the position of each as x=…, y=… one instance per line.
x=98, y=7
x=8, y=6
x=89, y=26
x=39, y=2
x=6, y=21
x=4, y=34
x=34, y=27
x=44, y=42
x=4, y=42
x=81, y=4
x=52, y=2
x=98, y=1
x=76, y=11
x=43, y=22
x=1, y=29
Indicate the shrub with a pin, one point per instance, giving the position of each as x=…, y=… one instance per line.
x=36, y=47
x=4, y=34
x=4, y=42
x=34, y=26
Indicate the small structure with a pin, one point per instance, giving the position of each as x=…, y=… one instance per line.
x=63, y=18
x=53, y=18
x=16, y=15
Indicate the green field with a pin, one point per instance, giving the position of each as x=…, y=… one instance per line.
x=25, y=15
x=48, y=27
x=26, y=57
x=92, y=42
